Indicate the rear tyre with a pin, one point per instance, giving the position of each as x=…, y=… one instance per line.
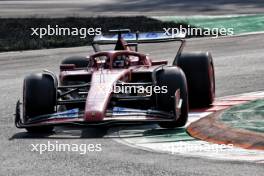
x=199, y=71
x=39, y=98
x=78, y=61
x=173, y=78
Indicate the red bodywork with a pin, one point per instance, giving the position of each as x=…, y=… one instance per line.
x=103, y=80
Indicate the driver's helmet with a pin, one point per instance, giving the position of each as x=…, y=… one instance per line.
x=121, y=61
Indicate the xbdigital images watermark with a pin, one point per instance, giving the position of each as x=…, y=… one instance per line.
x=65, y=31
x=198, y=31
x=185, y=147
x=133, y=89
x=62, y=147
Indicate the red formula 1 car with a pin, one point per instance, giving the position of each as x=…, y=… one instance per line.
x=118, y=86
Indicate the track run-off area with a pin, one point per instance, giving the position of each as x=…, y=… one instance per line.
x=178, y=141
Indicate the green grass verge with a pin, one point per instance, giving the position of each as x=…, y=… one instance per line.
x=15, y=33
x=240, y=23
x=247, y=116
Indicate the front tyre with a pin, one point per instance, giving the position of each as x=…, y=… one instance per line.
x=39, y=98
x=173, y=78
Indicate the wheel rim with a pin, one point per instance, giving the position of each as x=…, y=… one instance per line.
x=212, y=82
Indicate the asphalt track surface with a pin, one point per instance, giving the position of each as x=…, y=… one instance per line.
x=62, y=8
x=239, y=68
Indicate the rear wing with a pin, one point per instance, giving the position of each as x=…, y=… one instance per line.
x=133, y=39
x=145, y=37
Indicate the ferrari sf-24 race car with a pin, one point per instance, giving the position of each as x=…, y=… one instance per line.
x=83, y=93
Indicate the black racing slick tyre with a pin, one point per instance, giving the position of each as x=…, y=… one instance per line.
x=39, y=98
x=173, y=78
x=199, y=72
x=78, y=61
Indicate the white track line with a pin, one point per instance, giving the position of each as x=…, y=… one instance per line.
x=195, y=148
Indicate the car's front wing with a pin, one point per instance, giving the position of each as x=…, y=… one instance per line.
x=74, y=117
